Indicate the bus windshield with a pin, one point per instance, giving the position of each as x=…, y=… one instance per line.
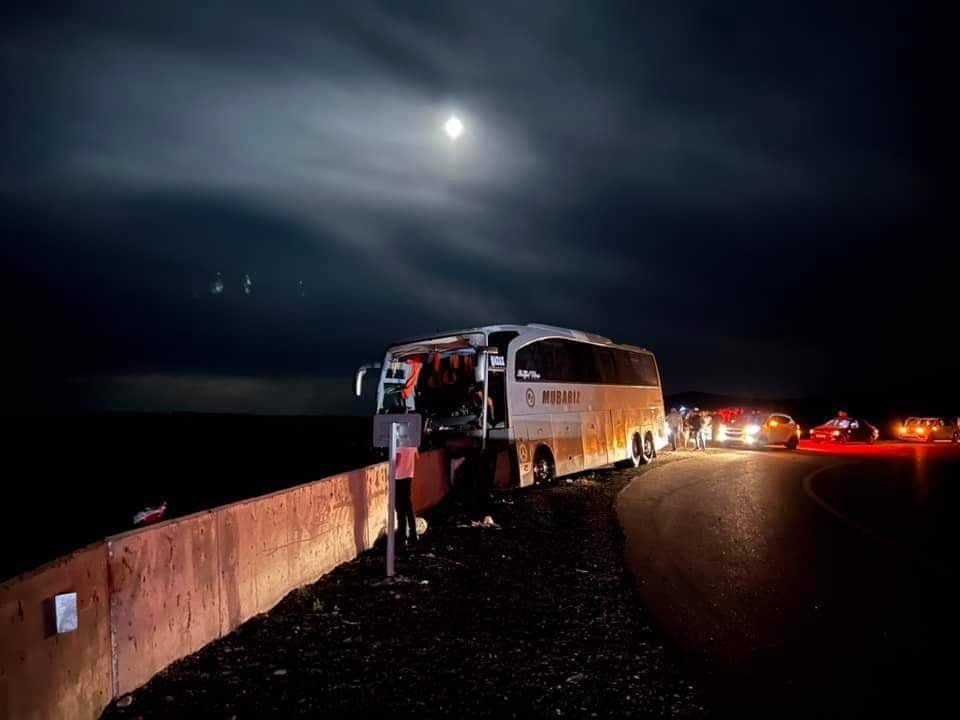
x=440, y=380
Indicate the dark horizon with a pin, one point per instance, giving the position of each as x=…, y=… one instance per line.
x=229, y=209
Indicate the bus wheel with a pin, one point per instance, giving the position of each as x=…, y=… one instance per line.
x=636, y=452
x=544, y=469
x=647, y=452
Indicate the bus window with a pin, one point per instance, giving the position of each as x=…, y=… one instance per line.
x=528, y=365
x=606, y=365
x=501, y=339
x=545, y=360
x=583, y=363
x=625, y=369
x=645, y=369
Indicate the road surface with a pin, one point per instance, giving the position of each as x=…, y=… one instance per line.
x=815, y=583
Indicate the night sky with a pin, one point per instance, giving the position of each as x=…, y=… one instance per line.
x=754, y=190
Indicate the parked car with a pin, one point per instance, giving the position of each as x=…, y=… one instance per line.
x=844, y=428
x=758, y=429
x=929, y=430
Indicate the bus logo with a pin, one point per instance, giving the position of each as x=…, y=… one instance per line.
x=561, y=397
x=531, y=397
x=523, y=452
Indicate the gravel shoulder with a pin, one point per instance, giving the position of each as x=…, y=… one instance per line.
x=533, y=618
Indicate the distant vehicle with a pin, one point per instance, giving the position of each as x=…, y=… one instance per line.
x=844, y=428
x=150, y=515
x=557, y=401
x=759, y=429
x=928, y=430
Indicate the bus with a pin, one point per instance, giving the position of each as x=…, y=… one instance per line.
x=534, y=402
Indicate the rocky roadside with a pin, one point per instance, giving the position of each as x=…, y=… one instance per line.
x=532, y=617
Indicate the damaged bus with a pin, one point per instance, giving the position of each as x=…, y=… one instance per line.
x=529, y=402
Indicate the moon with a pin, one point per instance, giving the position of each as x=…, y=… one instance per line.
x=453, y=127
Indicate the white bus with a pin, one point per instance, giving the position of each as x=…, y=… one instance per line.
x=557, y=401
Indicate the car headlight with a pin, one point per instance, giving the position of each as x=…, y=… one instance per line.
x=836, y=433
x=752, y=429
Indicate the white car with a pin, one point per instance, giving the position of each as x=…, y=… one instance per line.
x=758, y=429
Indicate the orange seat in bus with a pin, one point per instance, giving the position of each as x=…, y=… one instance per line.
x=434, y=379
x=452, y=375
x=416, y=365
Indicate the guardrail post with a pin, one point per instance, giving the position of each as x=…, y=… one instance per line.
x=392, y=499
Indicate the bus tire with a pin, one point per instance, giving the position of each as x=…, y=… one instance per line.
x=544, y=468
x=648, y=451
x=636, y=452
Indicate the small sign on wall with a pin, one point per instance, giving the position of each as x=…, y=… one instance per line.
x=65, y=612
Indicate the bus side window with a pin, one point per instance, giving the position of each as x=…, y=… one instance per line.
x=645, y=369
x=606, y=365
x=625, y=370
x=528, y=362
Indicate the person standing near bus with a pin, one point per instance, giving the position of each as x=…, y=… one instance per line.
x=695, y=423
x=675, y=425
x=406, y=465
x=706, y=423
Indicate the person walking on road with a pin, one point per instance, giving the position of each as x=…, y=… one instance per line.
x=405, y=471
x=695, y=423
x=705, y=427
x=675, y=425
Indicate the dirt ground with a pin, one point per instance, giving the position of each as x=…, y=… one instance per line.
x=533, y=618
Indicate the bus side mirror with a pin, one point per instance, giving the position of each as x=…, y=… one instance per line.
x=358, y=377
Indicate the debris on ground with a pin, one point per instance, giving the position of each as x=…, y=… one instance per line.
x=538, y=619
x=487, y=522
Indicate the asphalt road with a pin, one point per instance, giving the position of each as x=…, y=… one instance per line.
x=815, y=583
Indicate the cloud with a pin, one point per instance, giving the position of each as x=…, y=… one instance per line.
x=624, y=168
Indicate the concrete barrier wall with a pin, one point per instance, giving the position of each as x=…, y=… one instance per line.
x=45, y=675
x=152, y=596
x=164, y=596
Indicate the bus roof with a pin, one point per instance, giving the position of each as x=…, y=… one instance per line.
x=530, y=331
